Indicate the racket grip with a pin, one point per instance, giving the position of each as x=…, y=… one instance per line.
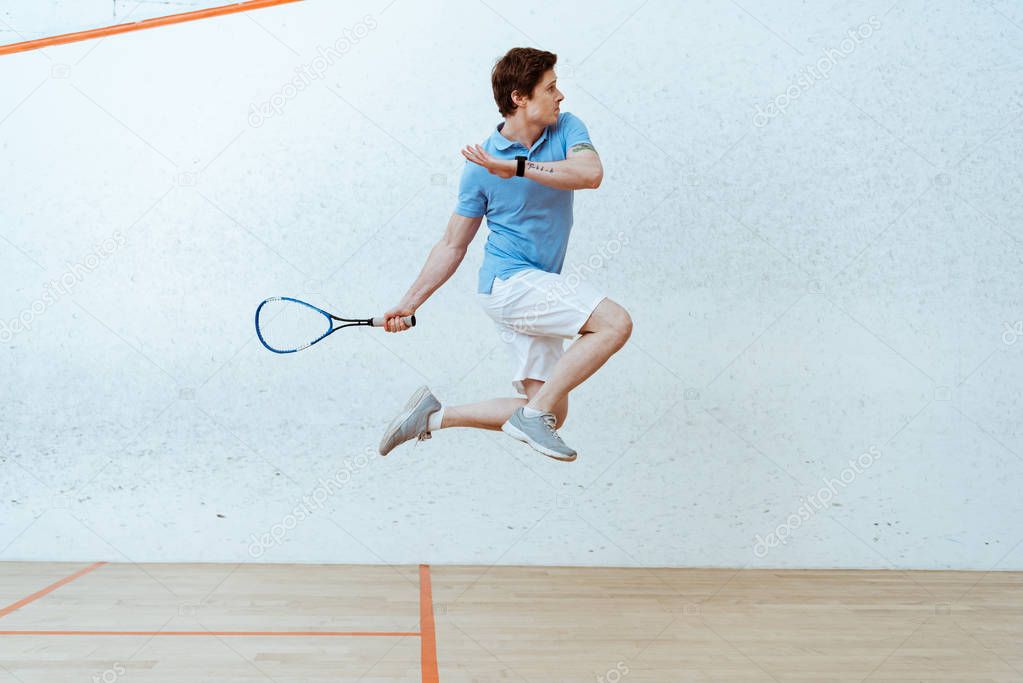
x=379, y=321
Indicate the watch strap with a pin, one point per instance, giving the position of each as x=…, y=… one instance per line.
x=520, y=170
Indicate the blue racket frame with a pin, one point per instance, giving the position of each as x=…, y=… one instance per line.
x=331, y=318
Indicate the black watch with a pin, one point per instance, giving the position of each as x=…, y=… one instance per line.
x=521, y=169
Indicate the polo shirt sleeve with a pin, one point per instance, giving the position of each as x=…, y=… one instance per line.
x=472, y=202
x=574, y=130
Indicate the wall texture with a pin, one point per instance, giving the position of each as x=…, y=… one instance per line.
x=812, y=212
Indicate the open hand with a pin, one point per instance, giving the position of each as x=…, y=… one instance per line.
x=503, y=168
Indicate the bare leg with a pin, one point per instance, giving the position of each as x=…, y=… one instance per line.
x=604, y=333
x=495, y=412
x=482, y=415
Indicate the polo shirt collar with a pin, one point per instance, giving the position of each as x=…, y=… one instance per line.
x=502, y=143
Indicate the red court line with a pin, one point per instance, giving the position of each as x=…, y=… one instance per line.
x=426, y=633
x=49, y=589
x=209, y=633
x=426, y=626
x=139, y=25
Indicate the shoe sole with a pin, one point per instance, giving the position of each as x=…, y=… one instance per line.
x=516, y=433
x=406, y=413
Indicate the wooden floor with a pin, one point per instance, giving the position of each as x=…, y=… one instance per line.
x=293, y=623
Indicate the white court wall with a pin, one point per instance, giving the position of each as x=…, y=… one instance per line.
x=817, y=234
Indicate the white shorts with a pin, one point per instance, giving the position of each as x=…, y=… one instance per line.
x=535, y=312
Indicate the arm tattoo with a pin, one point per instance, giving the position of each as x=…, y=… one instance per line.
x=538, y=167
x=575, y=148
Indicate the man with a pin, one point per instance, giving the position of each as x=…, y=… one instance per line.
x=522, y=179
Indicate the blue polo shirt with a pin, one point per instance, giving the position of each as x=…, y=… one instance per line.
x=529, y=222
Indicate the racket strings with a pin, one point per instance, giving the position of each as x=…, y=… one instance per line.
x=290, y=325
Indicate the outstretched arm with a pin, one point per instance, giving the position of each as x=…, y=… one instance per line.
x=441, y=264
x=581, y=169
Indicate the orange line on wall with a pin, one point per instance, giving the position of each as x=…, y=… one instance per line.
x=209, y=633
x=49, y=589
x=139, y=25
x=426, y=626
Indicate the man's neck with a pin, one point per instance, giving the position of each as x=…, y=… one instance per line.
x=522, y=131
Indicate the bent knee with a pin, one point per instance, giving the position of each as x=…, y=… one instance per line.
x=620, y=325
x=625, y=326
x=610, y=318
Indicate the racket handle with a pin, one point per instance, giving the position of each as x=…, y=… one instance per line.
x=410, y=320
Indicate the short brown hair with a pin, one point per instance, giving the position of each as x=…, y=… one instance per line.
x=520, y=69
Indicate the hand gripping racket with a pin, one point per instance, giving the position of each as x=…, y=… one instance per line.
x=286, y=325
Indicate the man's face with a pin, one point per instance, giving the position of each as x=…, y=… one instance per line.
x=543, y=105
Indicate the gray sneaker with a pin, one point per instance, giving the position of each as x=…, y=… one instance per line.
x=539, y=433
x=411, y=422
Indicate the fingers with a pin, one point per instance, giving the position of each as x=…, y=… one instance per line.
x=395, y=323
x=479, y=156
x=475, y=154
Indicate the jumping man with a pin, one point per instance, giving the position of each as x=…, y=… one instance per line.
x=522, y=179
